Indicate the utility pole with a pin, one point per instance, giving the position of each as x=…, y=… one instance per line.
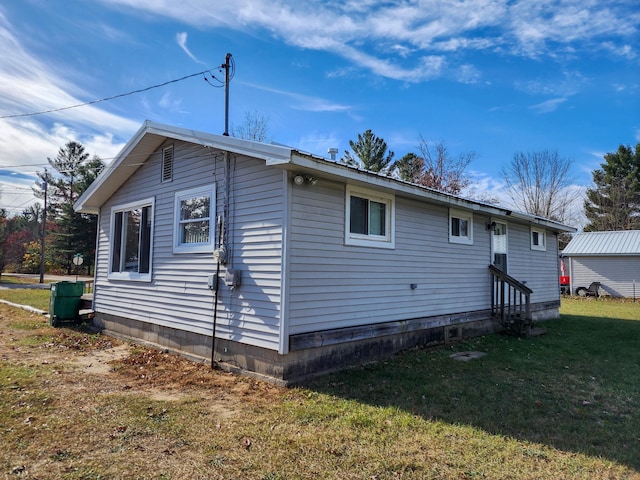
x=44, y=226
x=226, y=65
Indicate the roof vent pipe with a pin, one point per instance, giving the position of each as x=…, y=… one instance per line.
x=333, y=151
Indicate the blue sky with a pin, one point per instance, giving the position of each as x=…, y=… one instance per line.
x=494, y=77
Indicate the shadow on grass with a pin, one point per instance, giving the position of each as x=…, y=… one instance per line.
x=577, y=388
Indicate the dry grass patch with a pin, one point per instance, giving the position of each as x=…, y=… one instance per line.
x=75, y=405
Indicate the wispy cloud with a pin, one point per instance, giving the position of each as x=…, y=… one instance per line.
x=548, y=106
x=181, y=39
x=304, y=102
x=319, y=142
x=406, y=40
x=29, y=85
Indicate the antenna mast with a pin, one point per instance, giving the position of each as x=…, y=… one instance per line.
x=227, y=66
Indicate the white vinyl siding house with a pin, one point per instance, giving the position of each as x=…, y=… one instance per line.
x=178, y=295
x=323, y=262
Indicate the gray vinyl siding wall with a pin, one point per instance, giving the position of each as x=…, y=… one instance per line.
x=539, y=269
x=333, y=285
x=618, y=275
x=178, y=295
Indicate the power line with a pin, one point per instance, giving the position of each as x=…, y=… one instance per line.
x=53, y=110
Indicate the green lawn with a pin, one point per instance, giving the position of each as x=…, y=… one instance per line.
x=564, y=405
x=575, y=389
x=36, y=298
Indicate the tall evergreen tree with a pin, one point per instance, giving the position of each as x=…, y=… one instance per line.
x=410, y=168
x=370, y=152
x=76, y=232
x=614, y=202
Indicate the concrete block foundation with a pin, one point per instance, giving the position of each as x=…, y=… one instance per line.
x=315, y=353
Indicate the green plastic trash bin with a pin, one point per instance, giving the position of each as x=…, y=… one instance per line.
x=65, y=301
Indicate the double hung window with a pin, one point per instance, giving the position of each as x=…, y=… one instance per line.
x=194, y=212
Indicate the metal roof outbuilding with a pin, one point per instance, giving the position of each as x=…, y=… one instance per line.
x=625, y=242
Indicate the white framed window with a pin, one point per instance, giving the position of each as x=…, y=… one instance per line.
x=194, y=213
x=131, y=241
x=538, y=239
x=460, y=227
x=369, y=218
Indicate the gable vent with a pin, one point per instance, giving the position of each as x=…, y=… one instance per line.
x=167, y=164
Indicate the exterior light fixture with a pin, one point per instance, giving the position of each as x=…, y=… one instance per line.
x=301, y=179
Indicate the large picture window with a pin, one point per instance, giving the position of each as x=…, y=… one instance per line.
x=369, y=218
x=131, y=240
x=460, y=227
x=194, y=214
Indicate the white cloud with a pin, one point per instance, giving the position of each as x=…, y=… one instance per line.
x=548, y=106
x=318, y=143
x=29, y=85
x=181, y=38
x=304, y=102
x=393, y=39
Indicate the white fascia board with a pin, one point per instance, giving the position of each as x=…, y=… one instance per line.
x=357, y=176
x=272, y=154
x=81, y=205
x=113, y=176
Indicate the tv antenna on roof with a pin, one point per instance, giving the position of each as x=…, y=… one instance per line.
x=227, y=65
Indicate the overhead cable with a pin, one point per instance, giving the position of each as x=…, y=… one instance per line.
x=93, y=102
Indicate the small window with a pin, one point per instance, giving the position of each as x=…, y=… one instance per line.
x=369, y=218
x=131, y=240
x=460, y=227
x=167, y=164
x=538, y=239
x=194, y=214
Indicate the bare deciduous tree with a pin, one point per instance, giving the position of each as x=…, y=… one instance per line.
x=442, y=171
x=255, y=127
x=540, y=183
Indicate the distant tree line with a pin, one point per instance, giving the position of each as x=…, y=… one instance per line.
x=67, y=233
x=540, y=183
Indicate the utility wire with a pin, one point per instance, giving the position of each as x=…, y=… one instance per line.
x=93, y=102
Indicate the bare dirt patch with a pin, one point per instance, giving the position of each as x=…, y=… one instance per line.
x=76, y=404
x=82, y=358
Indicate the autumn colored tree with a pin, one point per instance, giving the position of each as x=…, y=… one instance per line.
x=442, y=171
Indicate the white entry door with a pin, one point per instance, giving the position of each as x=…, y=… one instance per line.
x=499, y=246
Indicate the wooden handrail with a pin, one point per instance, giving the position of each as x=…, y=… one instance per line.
x=510, y=301
x=510, y=280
